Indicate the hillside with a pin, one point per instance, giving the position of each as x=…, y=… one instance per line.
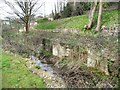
x=109, y=18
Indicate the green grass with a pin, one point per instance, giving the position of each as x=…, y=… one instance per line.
x=76, y=22
x=16, y=75
x=47, y=25
x=109, y=18
x=72, y=22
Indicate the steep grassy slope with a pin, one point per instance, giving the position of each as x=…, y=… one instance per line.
x=109, y=18
x=16, y=75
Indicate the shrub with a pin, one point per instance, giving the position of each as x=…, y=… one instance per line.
x=42, y=20
x=56, y=16
x=67, y=12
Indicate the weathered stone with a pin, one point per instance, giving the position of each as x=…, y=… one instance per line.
x=104, y=66
x=110, y=31
x=73, y=31
x=104, y=84
x=91, y=61
x=97, y=60
x=60, y=51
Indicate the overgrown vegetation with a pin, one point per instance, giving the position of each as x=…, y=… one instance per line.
x=82, y=47
x=89, y=77
x=16, y=75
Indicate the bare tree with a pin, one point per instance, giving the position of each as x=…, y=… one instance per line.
x=58, y=6
x=99, y=16
x=91, y=15
x=88, y=26
x=74, y=5
x=28, y=8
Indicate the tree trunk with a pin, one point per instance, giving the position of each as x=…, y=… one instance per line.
x=92, y=15
x=99, y=16
x=74, y=5
x=27, y=27
x=26, y=17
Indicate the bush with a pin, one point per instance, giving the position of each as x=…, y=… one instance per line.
x=67, y=12
x=56, y=16
x=42, y=20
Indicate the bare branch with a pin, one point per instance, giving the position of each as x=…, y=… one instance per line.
x=27, y=10
x=37, y=8
x=21, y=6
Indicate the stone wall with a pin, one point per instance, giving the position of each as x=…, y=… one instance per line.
x=95, y=59
x=110, y=31
x=92, y=51
x=95, y=52
x=60, y=51
x=91, y=58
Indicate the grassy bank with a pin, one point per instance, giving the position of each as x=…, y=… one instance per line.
x=16, y=75
x=109, y=18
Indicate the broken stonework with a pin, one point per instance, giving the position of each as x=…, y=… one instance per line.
x=96, y=60
x=60, y=51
